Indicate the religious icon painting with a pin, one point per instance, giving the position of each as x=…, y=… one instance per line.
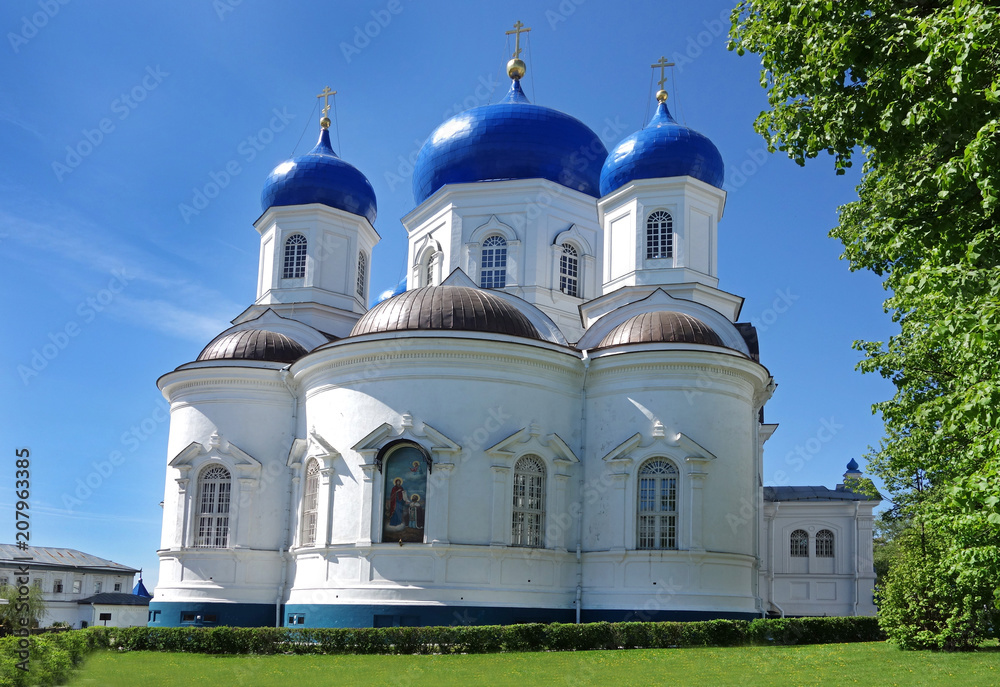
x=405, y=471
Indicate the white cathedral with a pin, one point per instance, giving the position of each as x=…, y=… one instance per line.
x=560, y=418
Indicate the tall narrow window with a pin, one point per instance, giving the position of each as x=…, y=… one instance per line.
x=799, y=544
x=362, y=274
x=309, y=504
x=529, y=502
x=429, y=270
x=215, y=488
x=824, y=544
x=295, y=257
x=98, y=586
x=493, y=274
x=660, y=235
x=569, y=271
x=658, y=505
x=57, y=587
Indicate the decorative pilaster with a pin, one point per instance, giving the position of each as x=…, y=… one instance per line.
x=696, y=483
x=439, y=489
x=499, y=525
x=371, y=494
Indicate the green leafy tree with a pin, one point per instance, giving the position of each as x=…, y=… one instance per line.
x=11, y=613
x=913, y=87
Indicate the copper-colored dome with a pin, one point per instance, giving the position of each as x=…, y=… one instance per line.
x=253, y=344
x=454, y=308
x=662, y=326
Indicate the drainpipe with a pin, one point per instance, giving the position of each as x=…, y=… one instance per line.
x=770, y=565
x=857, y=562
x=579, y=496
x=285, y=548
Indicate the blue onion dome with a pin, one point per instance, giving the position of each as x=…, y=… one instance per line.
x=663, y=149
x=389, y=293
x=446, y=307
x=512, y=139
x=253, y=344
x=320, y=176
x=853, y=466
x=662, y=326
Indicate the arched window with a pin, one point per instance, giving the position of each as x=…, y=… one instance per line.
x=529, y=502
x=659, y=235
x=429, y=269
x=657, y=505
x=799, y=544
x=824, y=544
x=215, y=488
x=493, y=274
x=362, y=274
x=310, y=497
x=405, y=468
x=569, y=271
x=295, y=257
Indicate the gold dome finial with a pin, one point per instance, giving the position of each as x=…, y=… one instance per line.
x=325, y=121
x=661, y=95
x=516, y=67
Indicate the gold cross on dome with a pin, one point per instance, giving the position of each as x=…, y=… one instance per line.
x=326, y=96
x=518, y=30
x=662, y=64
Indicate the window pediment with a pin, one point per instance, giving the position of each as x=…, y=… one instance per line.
x=245, y=466
x=420, y=434
x=531, y=440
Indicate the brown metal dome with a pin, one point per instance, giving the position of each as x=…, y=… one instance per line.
x=253, y=344
x=662, y=326
x=453, y=308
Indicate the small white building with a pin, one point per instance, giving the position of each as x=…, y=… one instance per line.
x=65, y=576
x=114, y=610
x=560, y=418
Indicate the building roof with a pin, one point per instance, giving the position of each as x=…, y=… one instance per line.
x=813, y=494
x=51, y=557
x=253, y=344
x=661, y=150
x=511, y=139
x=662, y=326
x=116, y=599
x=446, y=307
x=320, y=176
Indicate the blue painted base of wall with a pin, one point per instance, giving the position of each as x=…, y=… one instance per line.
x=173, y=614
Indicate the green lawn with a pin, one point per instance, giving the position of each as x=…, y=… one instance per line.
x=827, y=664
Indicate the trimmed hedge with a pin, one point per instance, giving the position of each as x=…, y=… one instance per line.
x=486, y=638
x=52, y=657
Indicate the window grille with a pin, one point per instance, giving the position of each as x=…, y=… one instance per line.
x=493, y=273
x=362, y=275
x=799, y=544
x=657, y=505
x=659, y=235
x=213, y=514
x=824, y=544
x=529, y=502
x=309, y=504
x=295, y=257
x=569, y=271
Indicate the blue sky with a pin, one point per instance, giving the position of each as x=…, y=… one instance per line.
x=116, y=118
